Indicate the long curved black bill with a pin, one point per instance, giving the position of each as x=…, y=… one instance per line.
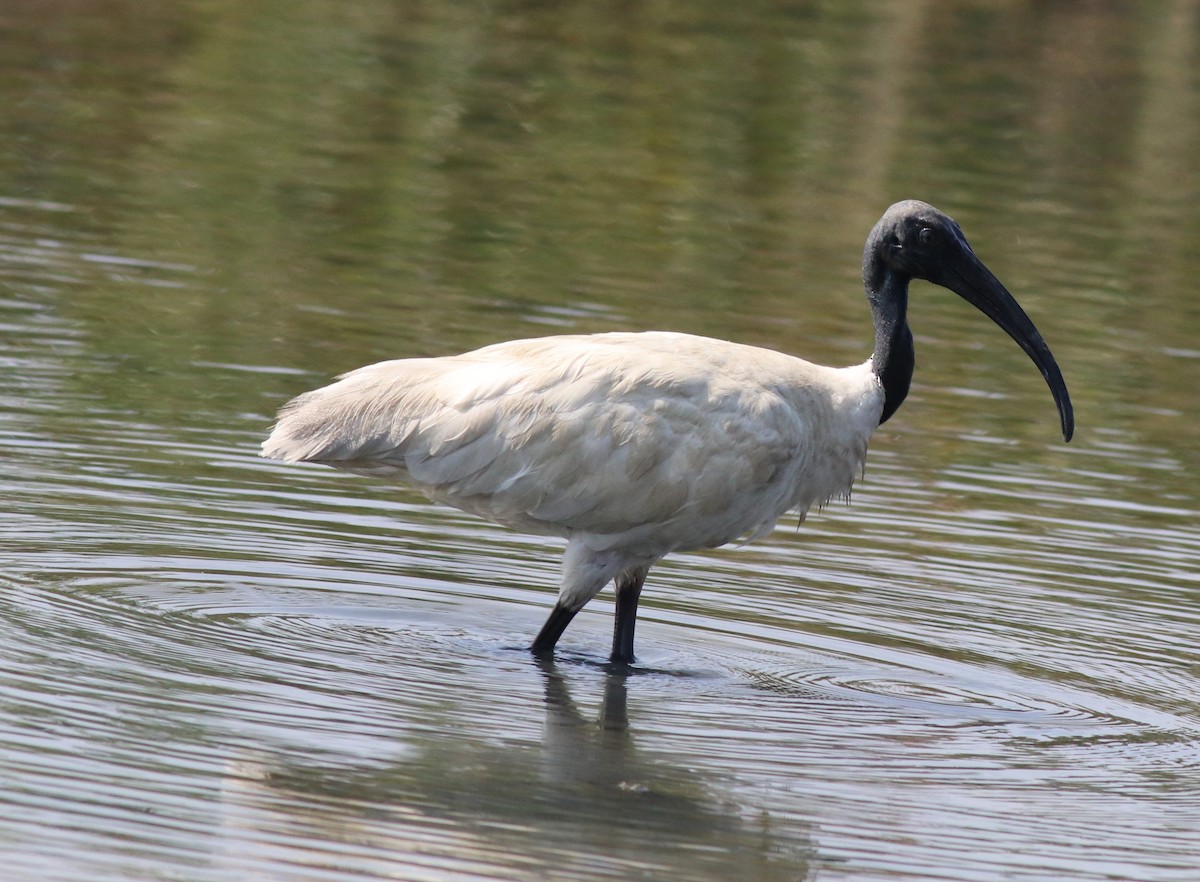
x=967, y=277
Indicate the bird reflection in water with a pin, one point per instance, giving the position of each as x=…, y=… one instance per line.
x=584, y=803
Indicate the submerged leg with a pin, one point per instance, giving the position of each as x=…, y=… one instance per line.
x=557, y=622
x=629, y=589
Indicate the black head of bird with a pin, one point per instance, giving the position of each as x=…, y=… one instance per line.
x=914, y=240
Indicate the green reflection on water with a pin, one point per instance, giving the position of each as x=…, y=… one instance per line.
x=211, y=206
x=316, y=187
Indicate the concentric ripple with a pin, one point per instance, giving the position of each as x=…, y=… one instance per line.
x=217, y=668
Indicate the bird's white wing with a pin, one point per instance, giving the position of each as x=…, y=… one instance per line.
x=572, y=434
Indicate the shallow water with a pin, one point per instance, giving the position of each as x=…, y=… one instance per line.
x=221, y=668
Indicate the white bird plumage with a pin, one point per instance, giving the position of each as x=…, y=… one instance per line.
x=629, y=445
x=635, y=445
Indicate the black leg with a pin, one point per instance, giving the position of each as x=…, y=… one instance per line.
x=560, y=617
x=629, y=589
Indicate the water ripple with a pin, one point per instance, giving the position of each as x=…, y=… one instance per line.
x=236, y=669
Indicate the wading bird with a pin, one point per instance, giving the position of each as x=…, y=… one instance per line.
x=634, y=445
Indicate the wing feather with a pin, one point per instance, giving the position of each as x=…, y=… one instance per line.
x=595, y=434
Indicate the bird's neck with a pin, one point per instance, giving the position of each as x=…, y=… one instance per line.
x=894, y=358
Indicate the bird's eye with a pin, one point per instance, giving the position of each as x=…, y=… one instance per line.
x=926, y=236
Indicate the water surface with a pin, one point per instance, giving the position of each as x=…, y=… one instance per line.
x=220, y=668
